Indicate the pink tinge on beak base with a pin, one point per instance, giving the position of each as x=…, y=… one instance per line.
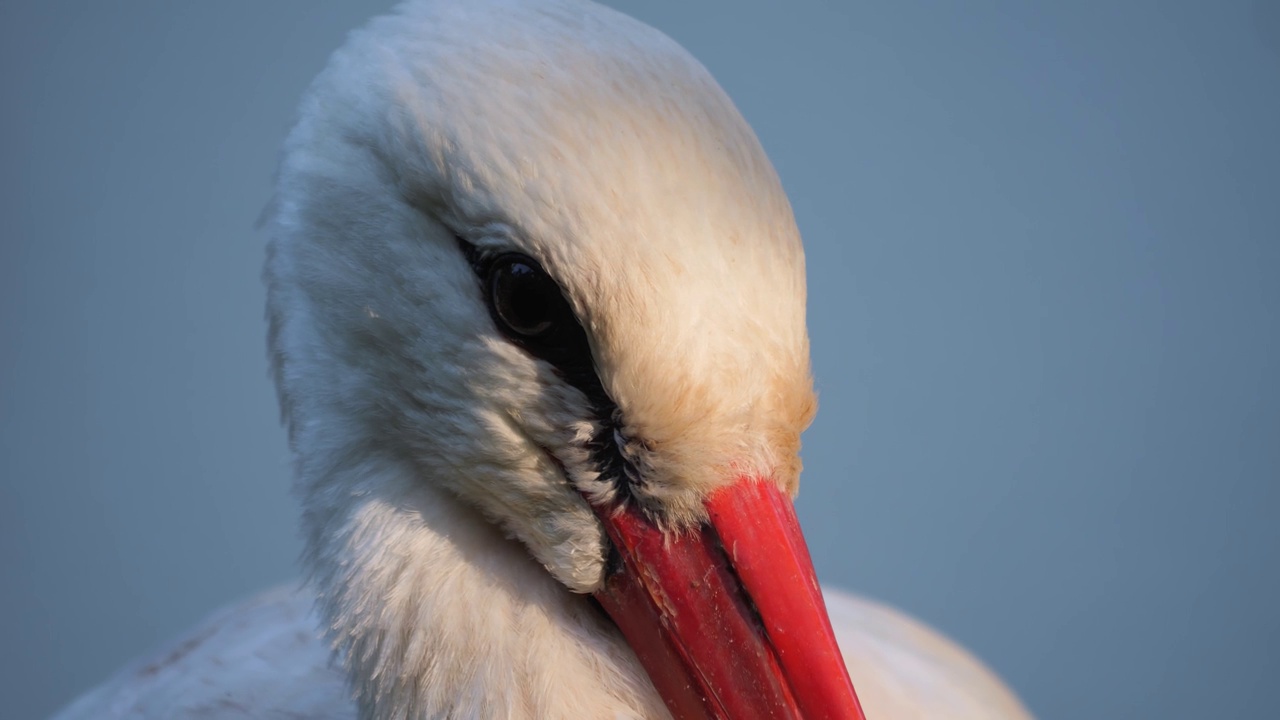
x=728, y=618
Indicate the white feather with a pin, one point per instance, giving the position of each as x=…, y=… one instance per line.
x=264, y=659
x=441, y=469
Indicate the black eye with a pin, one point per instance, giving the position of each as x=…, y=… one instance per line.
x=527, y=306
x=525, y=300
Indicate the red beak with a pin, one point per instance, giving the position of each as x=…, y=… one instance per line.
x=727, y=618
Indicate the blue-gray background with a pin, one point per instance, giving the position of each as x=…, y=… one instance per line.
x=1044, y=252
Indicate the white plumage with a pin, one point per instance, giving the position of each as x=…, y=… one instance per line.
x=264, y=659
x=444, y=471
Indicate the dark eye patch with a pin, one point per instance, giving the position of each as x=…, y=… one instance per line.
x=530, y=309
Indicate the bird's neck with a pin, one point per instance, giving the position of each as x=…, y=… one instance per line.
x=436, y=614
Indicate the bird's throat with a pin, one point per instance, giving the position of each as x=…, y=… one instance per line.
x=436, y=613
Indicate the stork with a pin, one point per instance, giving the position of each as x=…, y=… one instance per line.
x=536, y=308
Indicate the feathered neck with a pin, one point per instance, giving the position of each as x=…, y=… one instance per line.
x=435, y=614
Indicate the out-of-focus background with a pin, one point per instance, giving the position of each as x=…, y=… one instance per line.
x=1044, y=261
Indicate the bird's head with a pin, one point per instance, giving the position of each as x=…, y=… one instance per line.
x=531, y=253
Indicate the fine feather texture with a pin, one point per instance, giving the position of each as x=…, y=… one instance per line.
x=264, y=660
x=441, y=469
x=599, y=147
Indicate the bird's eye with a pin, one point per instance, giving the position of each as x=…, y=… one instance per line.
x=525, y=300
x=528, y=307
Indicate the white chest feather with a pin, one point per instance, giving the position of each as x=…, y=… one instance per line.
x=264, y=658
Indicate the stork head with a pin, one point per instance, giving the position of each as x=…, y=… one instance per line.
x=531, y=253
